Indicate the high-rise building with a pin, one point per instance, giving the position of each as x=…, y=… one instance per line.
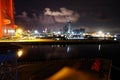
x=67, y=29
x=7, y=27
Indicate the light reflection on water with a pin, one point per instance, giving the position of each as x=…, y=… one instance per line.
x=99, y=47
x=63, y=52
x=57, y=52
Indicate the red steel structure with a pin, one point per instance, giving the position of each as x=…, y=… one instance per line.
x=6, y=18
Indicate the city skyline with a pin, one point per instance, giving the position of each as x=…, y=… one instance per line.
x=92, y=15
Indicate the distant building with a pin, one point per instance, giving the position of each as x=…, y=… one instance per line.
x=78, y=31
x=67, y=29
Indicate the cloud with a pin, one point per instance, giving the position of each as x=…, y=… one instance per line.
x=50, y=19
x=63, y=15
x=23, y=15
x=34, y=16
x=30, y=21
x=46, y=19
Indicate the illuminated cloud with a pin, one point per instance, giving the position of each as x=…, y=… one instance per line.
x=39, y=21
x=63, y=15
x=46, y=19
x=24, y=16
x=49, y=18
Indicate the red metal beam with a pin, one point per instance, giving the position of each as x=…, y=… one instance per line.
x=1, y=22
x=6, y=13
x=11, y=13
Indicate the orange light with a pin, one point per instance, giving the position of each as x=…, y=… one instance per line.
x=6, y=21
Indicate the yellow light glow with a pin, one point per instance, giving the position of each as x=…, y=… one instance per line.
x=68, y=73
x=19, y=31
x=100, y=32
x=20, y=53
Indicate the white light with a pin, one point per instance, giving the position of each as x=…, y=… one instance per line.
x=115, y=35
x=100, y=32
x=5, y=30
x=72, y=32
x=108, y=33
x=58, y=32
x=115, y=39
x=11, y=31
x=36, y=32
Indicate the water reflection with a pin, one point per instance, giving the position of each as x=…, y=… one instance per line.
x=99, y=47
x=48, y=52
x=58, y=52
x=68, y=49
x=33, y=53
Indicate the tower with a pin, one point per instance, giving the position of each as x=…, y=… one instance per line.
x=6, y=18
x=67, y=29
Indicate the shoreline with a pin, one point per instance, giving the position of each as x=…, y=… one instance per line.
x=61, y=42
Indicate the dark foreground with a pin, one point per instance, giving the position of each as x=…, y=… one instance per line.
x=63, y=62
x=84, y=69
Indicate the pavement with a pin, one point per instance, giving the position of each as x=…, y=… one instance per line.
x=64, y=70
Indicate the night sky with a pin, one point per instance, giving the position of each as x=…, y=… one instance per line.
x=93, y=15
